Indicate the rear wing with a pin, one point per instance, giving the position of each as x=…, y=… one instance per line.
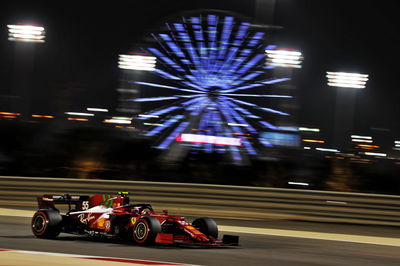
x=79, y=203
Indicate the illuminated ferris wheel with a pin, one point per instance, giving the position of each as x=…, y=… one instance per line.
x=212, y=90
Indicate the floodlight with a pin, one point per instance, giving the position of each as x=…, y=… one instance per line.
x=26, y=33
x=137, y=62
x=347, y=80
x=287, y=58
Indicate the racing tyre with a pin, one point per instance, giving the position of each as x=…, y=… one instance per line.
x=46, y=223
x=207, y=226
x=146, y=230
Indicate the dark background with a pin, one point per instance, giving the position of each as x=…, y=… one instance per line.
x=78, y=64
x=83, y=41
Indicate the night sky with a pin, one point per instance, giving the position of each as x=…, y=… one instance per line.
x=83, y=43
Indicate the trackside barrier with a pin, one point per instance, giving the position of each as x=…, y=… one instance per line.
x=217, y=200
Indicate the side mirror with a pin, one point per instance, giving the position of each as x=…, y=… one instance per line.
x=165, y=212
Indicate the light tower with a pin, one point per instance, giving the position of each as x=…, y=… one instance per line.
x=132, y=66
x=25, y=36
x=347, y=85
x=285, y=62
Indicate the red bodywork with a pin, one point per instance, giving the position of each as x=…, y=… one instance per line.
x=114, y=216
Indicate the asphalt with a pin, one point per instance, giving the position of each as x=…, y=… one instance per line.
x=255, y=249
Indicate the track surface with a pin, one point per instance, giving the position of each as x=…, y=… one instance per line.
x=254, y=250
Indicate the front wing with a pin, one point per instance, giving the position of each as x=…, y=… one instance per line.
x=227, y=240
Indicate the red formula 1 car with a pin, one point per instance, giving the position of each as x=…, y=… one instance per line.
x=114, y=216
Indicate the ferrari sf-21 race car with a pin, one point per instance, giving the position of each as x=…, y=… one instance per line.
x=114, y=216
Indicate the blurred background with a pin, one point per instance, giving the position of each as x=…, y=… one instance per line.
x=132, y=90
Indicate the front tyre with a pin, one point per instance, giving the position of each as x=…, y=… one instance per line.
x=146, y=230
x=46, y=223
x=207, y=226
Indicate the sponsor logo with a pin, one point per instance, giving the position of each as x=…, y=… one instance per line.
x=85, y=220
x=107, y=224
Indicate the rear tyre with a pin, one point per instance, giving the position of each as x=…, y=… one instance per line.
x=46, y=223
x=146, y=230
x=207, y=226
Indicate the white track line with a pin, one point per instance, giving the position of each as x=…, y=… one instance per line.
x=360, y=239
x=115, y=259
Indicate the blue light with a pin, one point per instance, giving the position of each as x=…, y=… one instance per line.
x=211, y=58
x=226, y=32
x=212, y=34
x=212, y=20
x=168, y=140
x=152, y=99
x=187, y=83
x=238, y=62
x=242, y=30
x=193, y=54
x=256, y=39
x=235, y=154
x=231, y=55
x=195, y=20
x=165, y=59
x=252, y=75
x=197, y=111
x=243, y=102
x=204, y=120
x=273, y=111
x=184, y=37
x=258, y=95
x=196, y=27
x=165, y=86
x=271, y=47
x=175, y=49
x=245, y=52
x=160, y=112
x=165, y=125
x=198, y=36
x=265, y=142
x=200, y=107
x=165, y=37
x=172, y=45
x=249, y=147
x=179, y=27
x=273, y=81
x=268, y=125
x=258, y=35
x=166, y=74
x=238, y=117
x=251, y=63
x=242, y=88
x=240, y=109
x=260, y=108
x=192, y=101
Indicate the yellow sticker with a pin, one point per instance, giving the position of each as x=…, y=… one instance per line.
x=100, y=222
x=133, y=220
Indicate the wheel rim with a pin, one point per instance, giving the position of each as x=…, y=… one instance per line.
x=141, y=231
x=39, y=223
